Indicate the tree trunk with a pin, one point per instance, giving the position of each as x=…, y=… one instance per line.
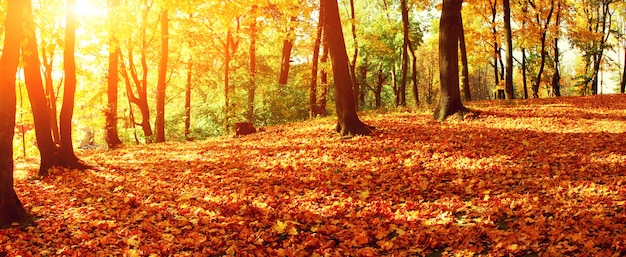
x=524, y=73
x=48, y=150
x=544, y=32
x=623, y=82
x=321, y=106
x=11, y=208
x=405, y=52
x=381, y=77
x=508, y=88
x=285, y=62
x=313, y=106
x=556, y=77
x=50, y=92
x=252, y=82
x=355, y=83
x=67, y=110
x=348, y=123
x=465, y=72
x=449, y=32
x=188, y=101
x=112, y=136
x=159, y=125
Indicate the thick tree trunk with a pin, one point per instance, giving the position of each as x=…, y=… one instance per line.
x=11, y=209
x=508, y=86
x=49, y=91
x=449, y=32
x=348, y=123
x=112, y=136
x=465, y=82
x=68, y=157
x=48, y=150
x=159, y=125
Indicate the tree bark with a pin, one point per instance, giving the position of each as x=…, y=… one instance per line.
x=465, y=71
x=348, y=123
x=48, y=150
x=67, y=110
x=253, y=72
x=356, y=86
x=449, y=32
x=556, y=77
x=159, y=125
x=313, y=106
x=623, y=82
x=544, y=32
x=405, y=52
x=285, y=62
x=508, y=88
x=11, y=208
x=112, y=136
x=524, y=80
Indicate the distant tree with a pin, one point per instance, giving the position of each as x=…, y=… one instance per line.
x=449, y=32
x=11, y=208
x=313, y=106
x=348, y=123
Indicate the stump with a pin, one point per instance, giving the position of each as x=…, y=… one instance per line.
x=244, y=128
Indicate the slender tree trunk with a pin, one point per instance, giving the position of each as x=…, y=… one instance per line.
x=323, y=99
x=159, y=125
x=496, y=47
x=524, y=73
x=556, y=77
x=227, y=59
x=252, y=82
x=405, y=52
x=313, y=107
x=381, y=77
x=50, y=92
x=355, y=55
x=465, y=82
x=623, y=82
x=188, y=101
x=449, y=33
x=11, y=208
x=508, y=88
x=544, y=32
x=48, y=150
x=348, y=123
x=67, y=110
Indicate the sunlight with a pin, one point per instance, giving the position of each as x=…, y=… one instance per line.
x=87, y=8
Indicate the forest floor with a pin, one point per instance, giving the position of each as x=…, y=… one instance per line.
x=543, y=177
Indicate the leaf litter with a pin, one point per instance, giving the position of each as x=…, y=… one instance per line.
x=542, y=177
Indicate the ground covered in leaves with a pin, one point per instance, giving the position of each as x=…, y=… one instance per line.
x=540, y=177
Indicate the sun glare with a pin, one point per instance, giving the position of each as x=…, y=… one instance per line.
x=87, y=8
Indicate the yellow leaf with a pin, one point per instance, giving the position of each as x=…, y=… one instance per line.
x=280, y=227
x=292, y=231
x=231, y=250
x=167, y=237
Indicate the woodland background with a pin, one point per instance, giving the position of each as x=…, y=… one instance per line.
x=210, y=48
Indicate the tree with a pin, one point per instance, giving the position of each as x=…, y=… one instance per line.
x=159, y=125
x=69, y=89
x=449, y=33
x=11, y=208
x=465, y=82
x=313, y=107
x=508, y=88
x=348, y=123
x=112, y=136
x=556, y=77
x=48, y=149
x=544, y=24
x=405, y=53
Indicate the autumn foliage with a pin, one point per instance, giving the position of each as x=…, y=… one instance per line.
x=542, y=177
